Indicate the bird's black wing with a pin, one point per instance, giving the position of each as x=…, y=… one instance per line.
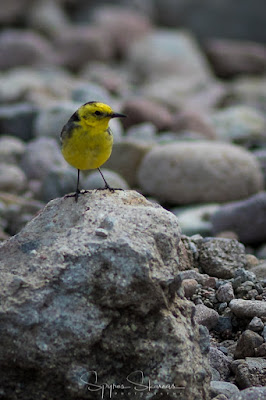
x=69, y=126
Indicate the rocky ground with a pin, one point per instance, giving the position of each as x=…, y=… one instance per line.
x=194, y=141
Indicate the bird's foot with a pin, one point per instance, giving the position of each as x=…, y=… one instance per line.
x=109, y=188
x=76, y=194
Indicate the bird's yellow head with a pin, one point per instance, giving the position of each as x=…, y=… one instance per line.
x=97, y=114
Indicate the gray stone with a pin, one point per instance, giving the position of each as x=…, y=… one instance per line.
x=50, y=120
x=226, y=388
x=12, y=179
x=58, y=182
x=206, y=316
x=260, y=270
x=185, y=93
x=19, y=47
x=17, y=120
x=261, y=157
x=247, y=343
x=124, y=25
x=139, y=110
x=225, y=293
x=19, y=211
x=247, y=218
x=37, y=86
x=41, y=156
x=250, y=372
x=11, y=149
x=224, y=323
x=215, y=18
x=248, y=308
x=221, y=257
x=250, y=90
x=233, y=57
x=189, y=121
x=220, y=362
x=252, y=393
x=126, y=158
x=13, y=10
x=256, y=325
x=168, y=52
x=84, y=92
x=199, y=172
x=195, y=219
x=114, y=180
x=47, y=16
x=145, y=132
x=75, y=302
x=189, y=286
x=240, y=124
x=77, y=45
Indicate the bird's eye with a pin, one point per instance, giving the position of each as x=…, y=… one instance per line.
x=98, y=113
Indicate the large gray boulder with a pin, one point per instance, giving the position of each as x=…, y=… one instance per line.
x=199, y=172
x=89, y=293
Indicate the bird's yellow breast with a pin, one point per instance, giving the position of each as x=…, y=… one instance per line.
x=87, y=147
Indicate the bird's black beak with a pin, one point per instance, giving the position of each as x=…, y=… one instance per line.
x=117, y=115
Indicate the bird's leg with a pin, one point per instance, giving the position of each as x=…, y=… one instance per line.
x=106, y=184
x=77, y=190
x=77, y=193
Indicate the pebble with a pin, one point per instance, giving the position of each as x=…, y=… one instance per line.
x=247, y=218
x=190, y=286
x=12, y=179
x=261, y=158
x=205, y=21
x=38, y=87
x=47, y=16
x=233, y=57
x=77, y=45
x=144, y=132
x=139, y=110
x=165, y=52
x=226, y=388
x=250, y=90
x=126, y=158
x=11, y=149
x=261, y=350
x=264, y=333
x=123, y=25
x=240, y=124
x=58, y=182
x=41, y=156
x=220, y=362
x=185, y=121
x=252, y=393
x=224, y=325
x=260, y=271
x=250, y=372
x=199, y=172
x=195, y=219
x=221, y=257
x=50, y=120
x=17, y=120
x=13, y=10
x=22, y=47
x=114, y=180
x=247, y=343
x=84, y=92
x=225, y=293
x=206, y=316
x=248, y=308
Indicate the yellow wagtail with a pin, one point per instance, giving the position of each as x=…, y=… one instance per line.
x=87, y=139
